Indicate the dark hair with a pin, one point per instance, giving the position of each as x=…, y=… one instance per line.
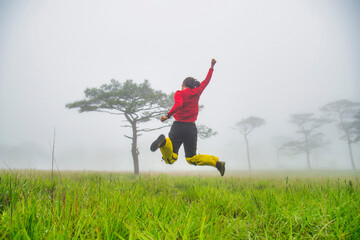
x=191, y=82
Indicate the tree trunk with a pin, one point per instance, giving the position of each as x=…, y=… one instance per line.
x=248, y=153
x=351, y=155
x=134, y=149
x=348, y=140
x=307, y=153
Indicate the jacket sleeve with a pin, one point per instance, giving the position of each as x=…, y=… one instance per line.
x=178, y=103
x=205, y=82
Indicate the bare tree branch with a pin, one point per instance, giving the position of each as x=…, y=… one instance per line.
x=152, y=129
x=128, y=137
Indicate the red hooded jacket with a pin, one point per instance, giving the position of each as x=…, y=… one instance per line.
x=186, y=107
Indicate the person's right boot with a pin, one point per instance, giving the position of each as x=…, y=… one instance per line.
x=221, y=167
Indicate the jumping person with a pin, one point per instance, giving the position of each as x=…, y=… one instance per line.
x=183, y=130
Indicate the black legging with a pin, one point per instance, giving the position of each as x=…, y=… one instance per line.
x=184, y=132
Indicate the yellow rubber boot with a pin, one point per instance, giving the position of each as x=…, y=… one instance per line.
x=167, y=152
x=203, y=159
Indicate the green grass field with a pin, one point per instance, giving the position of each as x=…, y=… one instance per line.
x=85, y=205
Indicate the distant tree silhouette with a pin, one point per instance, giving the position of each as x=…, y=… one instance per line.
x=245, y=127
x=307, y=126
x=356, y=127
x=205, y=132
x=345, y=114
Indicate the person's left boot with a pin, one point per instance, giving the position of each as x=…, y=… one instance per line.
x=221, y=167
x=158, y=143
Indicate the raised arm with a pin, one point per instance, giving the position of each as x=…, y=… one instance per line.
x=204, y=83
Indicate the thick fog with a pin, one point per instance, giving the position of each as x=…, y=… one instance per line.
x=274, y=59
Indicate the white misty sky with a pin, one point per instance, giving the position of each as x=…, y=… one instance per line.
x=275, y=58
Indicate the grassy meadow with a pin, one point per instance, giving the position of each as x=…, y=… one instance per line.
x=90, y=205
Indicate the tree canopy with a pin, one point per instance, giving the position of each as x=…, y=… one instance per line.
x=247, y=125
x=139, y=102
